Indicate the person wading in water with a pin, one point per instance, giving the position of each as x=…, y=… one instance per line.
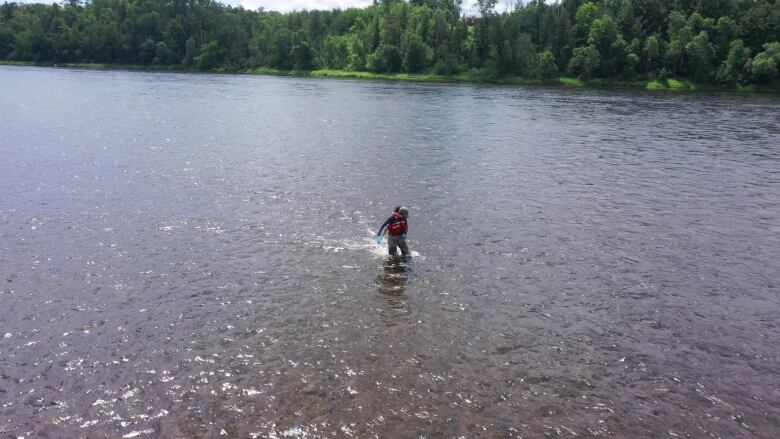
x=396, y=231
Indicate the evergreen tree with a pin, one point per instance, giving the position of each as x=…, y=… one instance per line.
x=705, y=40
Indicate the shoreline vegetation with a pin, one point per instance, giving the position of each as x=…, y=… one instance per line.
x=723, y=45
x=670, y=84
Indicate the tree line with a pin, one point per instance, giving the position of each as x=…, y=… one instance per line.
x=716, y=41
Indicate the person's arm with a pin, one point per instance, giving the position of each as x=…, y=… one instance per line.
x=389, y=221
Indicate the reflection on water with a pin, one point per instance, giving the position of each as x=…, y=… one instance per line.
x=191, y=256
x=392, y=280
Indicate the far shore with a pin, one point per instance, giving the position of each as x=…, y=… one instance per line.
x=670, y=84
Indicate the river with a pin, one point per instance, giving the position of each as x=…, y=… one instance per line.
x=188, y=255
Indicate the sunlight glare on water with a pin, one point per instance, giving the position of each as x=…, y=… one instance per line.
x=192, y=256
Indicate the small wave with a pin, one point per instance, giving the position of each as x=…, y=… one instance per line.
x=367, y=243
x=376, y=249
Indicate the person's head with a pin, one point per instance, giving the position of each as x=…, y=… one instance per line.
x=396, y=208
x=404, y=212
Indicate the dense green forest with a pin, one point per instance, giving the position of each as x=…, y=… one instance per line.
x=710, y=41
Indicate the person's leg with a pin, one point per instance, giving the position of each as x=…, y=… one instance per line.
x=404, y=247
x=392, y=243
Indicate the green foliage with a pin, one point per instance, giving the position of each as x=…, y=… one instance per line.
x=680, y=34
x=632, y=61
x=446, y=66
x=655, y=85
x=670, y=84
x=765, y=65
x=546, y=67
x=603, y=35
x=302, y=56
x=725, y=32
x=484, y=74
x=571, y=82
x=486, y=7
x=147, y=50
x=6, y=42
x=209, y=56
x=674, y=84
x=358, y=56
x=701, y=54
x=369, y=75
x=584, y=62
x=773, y=50
x=585, y=16
x=526, y=58
x=415, y=53
x=387, y=58
x=162, y=54
x=335, y=52
x=732, y=70
x=652, y=53
x=191, y=51
x=605, y=38
x=609, y=40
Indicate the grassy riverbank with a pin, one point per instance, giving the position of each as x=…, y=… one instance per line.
x=670, y=84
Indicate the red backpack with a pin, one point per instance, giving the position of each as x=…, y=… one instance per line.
x=399, y=226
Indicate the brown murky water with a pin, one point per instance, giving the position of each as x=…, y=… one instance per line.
x=191, y=256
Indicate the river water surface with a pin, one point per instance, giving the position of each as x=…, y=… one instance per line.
x=191, y=256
